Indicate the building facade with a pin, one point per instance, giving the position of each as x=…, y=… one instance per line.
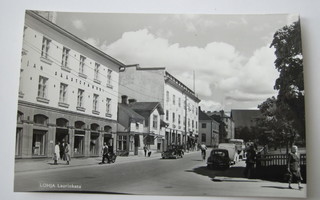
x=227, y=126
x=208, y=130
x=68, y=92
x=139, y=126
x=179, y=103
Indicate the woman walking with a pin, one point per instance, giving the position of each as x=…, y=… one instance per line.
x=294, y=167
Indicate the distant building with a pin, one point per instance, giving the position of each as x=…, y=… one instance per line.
x=179, y=103
x=140, y=125
x=68, y=92
x=227, y=128
x=208, y=130
x=245, y=118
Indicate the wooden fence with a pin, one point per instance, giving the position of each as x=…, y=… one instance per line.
x=277, y=160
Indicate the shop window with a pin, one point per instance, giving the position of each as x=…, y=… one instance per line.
x=40, y=120
x=18, y=141
x=38, y=142
x=79, y=125
x=61, y=122
x=122, y=142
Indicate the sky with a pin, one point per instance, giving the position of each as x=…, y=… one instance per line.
x=229, y=55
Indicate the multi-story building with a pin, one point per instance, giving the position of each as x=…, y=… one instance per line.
x=227, y=128
x=208, y=130
x=245, y=118
x=180, y=104
x=68, y=92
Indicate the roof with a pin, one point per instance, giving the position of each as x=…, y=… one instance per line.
x=146, y=107
x=73, y=37
x=128, y=113
x=204, y=116
x=245, y=118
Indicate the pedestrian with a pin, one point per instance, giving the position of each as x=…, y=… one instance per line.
x=61, y=152
x=105, y=151
x=67, y=153
x=250, y=162
x=203, y=148
x=294, y=167
x=145, y=149
x=149, y=153
x=56, y=155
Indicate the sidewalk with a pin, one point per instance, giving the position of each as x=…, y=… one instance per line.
x=24, y=165
x=28, y=165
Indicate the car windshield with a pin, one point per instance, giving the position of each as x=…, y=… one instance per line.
x=219, y=153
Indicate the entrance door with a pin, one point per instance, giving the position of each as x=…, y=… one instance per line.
x=62, y=135
x=78, y=148
x=94, y=144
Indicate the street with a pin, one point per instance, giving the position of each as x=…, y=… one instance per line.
x=187, y=176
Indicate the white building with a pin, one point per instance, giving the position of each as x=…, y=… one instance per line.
x=179, y=103
x=68, y=92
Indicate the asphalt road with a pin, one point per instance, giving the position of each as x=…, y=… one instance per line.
x=185, y=176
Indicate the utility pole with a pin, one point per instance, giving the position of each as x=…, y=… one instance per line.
x=185, y=121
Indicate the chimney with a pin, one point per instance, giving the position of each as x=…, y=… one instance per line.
x=132, y=101
x=124, y=99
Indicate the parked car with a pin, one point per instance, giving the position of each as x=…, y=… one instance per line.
x=218, y=159
x=174, y=152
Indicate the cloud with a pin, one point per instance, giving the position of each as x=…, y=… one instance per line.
x=78, y=24
x=219, y=67
x=208, y=105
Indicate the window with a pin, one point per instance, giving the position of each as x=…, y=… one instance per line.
x=122, y=142
x=188, y=122
x=167, y=115
x=108, y=107
x=38, y=143
x=173, y=117
x=43, y=89
x=192, y=124
x=82, y=64
x=174, y=99
x=65, y=56
x=203, y=125
x=179, y=119
x=109, y=78
x=45, y=47
x=168, y=98
x=203, y=137
x=41, y=120
x=96, y=72
x=80, y=99
x=179, y=102
x=63, y=93
x=95, y=103
x=155, y=121
x=196, y=125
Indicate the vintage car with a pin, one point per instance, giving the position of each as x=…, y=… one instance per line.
x=218, y=159
x=172, y=153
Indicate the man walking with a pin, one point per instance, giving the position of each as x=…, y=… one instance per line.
x=105, y=151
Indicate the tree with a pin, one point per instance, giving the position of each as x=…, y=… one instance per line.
x=285, y=114
x=290, y=84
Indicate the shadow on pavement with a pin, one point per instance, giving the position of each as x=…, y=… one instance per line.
x=222, y=175
x=277, y=187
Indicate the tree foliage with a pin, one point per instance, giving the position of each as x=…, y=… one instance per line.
x=285, y=115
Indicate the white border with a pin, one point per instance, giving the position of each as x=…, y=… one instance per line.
x=11, y=23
